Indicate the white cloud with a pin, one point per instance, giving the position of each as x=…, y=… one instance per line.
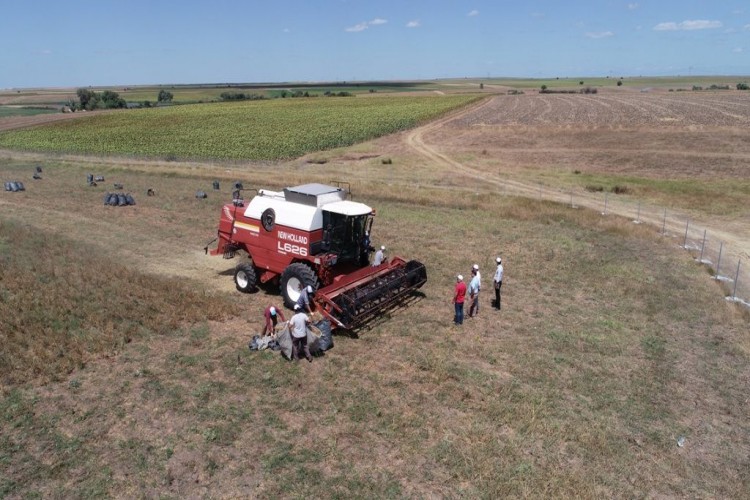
x=699, y=24
x=738, y=50
x=600, y=34
x=632, y=6
x=357, y=27
x=413, y=24
x=363, y=26
x=286, y=30
x=473, y=13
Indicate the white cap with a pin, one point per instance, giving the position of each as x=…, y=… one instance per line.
x=382, y=247
x=309, y=289
x=475, y=267
x=273, y=311
x=498, y=260
x=460, y=277
x=297, y=307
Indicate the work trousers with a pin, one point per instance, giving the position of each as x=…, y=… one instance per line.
x=497, y=294
x=300, y=343
x=459, y=317
x=474, y=308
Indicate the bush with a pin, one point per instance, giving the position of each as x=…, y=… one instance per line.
x=619, y=83
x=165, y=96
x=743, y=86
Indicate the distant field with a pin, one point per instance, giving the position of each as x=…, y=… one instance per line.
x=257, y=130
x=684, y=82
x=11, y=111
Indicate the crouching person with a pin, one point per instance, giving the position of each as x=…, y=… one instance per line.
x=272, y=315
x=298, y=327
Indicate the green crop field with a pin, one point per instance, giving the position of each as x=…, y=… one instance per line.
x=256, y=130
x=14, y=111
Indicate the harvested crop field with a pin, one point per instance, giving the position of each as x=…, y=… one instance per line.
x=673, y=135
x=627, y=109
x=615, y=368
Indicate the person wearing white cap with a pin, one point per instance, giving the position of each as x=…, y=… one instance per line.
x=459, y=295
x=272, y=315
x=498, y=280
x=298, y=327
x=379, y=256
x=474, y=286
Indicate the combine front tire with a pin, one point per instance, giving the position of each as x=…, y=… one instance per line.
x=294, y=275
x=245, y=278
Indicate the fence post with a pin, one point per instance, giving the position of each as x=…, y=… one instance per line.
x=703, y=246
x=638, y=214
x=736, y=278
x=718, y=263
x=687, y=225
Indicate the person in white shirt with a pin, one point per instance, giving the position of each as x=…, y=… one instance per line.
x=498, y=280
x=379, y=256
x=474, y=292
x=298, y=326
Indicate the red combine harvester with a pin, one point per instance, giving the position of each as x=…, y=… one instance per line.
x=313, y=235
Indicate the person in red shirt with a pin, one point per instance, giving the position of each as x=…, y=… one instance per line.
x=459, y=296
x=272, y=315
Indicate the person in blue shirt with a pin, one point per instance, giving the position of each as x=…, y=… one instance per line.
x=474, y=292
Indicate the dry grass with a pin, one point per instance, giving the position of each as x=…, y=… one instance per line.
x=609, y=347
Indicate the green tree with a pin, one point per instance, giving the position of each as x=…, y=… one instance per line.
x=165, y=96
x=111, y=99
x=619, y=83
x=544, y=87
x=743, y=86
x=88, y=99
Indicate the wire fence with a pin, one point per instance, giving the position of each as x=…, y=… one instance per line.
x=722, y=252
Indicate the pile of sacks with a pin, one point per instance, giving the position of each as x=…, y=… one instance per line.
x=14, y=186
x=118, y=199
x=319, y=338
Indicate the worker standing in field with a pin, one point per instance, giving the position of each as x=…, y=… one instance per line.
x=272, y=315
x=298, y=327
x=379, y=256
x=474, y=286
x=305, y=298
x=498, y=281
x=459, y=295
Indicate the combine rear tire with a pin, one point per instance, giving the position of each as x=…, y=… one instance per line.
x=294, y=275
x=245, y=278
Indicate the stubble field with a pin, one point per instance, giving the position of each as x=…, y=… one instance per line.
x=610, y=347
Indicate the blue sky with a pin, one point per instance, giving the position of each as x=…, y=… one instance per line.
x=45, y=43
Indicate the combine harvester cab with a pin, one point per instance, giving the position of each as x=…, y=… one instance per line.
x=312, y=235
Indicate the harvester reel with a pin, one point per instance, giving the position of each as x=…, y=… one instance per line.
x=245, y=278
x=291, y=278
